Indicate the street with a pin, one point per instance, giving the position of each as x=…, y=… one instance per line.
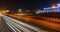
x=13, y=25
x=3, y=26
x=47, y=22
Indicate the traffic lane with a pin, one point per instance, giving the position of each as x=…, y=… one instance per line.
x=3, y=26
x=21, y=27
x=12, y=21
x=57, y=20
x=54, y=26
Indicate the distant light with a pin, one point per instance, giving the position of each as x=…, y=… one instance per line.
x=39, y=11
x=7, y=10
x=53, y=6
x=58, y=5
x=19, y=14
x=19, y=9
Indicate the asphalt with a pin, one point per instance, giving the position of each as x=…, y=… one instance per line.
x=3, y=26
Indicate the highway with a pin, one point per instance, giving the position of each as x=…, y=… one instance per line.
x=8, y=24
x=3, y=26
x=48, y=23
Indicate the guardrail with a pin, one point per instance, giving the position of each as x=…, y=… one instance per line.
x=19, y=26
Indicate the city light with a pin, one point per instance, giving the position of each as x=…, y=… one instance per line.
x=19, y=11
x=7, y=10
x=53, y=6
x=39, y=11
x=58, y=5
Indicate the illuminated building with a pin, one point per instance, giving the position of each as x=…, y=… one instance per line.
x=53, y=8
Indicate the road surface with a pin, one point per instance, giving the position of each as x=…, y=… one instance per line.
x=50, y=24
x=13, y=25
x=3, y=26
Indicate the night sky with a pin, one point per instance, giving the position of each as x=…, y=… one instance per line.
x=26, y=4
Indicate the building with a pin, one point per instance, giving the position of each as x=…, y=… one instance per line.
x=53, y=8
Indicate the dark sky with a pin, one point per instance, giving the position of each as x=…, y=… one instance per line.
x=26, y=4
